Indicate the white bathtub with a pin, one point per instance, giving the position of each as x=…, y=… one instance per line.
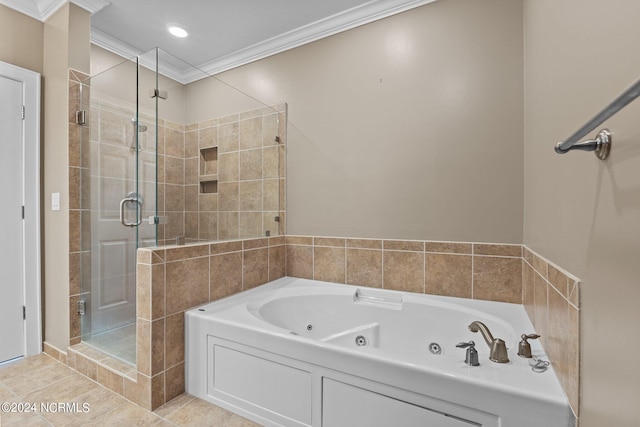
x=297, y=352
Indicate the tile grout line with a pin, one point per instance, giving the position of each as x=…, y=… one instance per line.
x=548, y=283
x=424, y=272
x=382, y=272
x=345, y=261
x=473, y=268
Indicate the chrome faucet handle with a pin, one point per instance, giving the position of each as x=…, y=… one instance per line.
x=471, y=358
x=524, y=348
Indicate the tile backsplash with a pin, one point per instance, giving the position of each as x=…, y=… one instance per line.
x=465, y=270
x=551, y=297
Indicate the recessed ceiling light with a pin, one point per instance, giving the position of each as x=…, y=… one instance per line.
x=177, y=31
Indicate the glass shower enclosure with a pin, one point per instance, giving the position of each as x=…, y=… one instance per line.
x=174, y=156
x=122, y=197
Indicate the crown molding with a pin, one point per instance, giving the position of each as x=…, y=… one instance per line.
x=129, y=52
x=351, y=18
x=113, y=45
x=44, y=9
x=91, y=6
x=37, y=9
x=329, y=26
x=49, y=7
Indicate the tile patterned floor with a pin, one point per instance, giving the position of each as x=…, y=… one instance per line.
x=43, y=380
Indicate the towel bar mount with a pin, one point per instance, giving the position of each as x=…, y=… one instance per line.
x=601, y=146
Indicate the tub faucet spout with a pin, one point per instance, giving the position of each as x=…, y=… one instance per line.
x=497, y=347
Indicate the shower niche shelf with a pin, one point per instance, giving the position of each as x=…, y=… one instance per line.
x=208, y=186
x=208, y=161
x=208, y=170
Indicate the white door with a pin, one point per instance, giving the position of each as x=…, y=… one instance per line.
x=113, y=244
x=12, y=286
x=113, y=257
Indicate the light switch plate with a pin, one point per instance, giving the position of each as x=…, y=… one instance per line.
x=55, y=201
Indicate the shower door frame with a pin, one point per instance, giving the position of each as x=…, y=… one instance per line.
x=126, y=273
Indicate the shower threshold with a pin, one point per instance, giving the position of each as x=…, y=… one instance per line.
x=119, y=343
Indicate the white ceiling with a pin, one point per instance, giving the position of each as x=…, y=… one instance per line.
x=223, y=34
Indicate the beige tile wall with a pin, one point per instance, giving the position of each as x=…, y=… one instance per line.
x=171, y=180
x=172, y=280
x=551, y=297
x=466, y=270
x=249, y=171
x=79, y=204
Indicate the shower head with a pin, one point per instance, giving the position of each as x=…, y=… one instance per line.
x=141, y=128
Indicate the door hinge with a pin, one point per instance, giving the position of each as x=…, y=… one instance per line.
x=24, y=312
x=81, y=308
x=23, y=212
x=81, y=117
x=23, y=112
x=157, y=93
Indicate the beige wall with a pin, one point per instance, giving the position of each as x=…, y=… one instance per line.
x=21, y=40
x=409, y=127
x=582, y=213
x=59, y=41
x=203, y=99
x=79, y=38
x=376, y=146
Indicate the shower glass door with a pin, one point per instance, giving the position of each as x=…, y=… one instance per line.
x=122, y=182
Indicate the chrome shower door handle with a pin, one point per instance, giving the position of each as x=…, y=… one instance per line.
x=123, y=202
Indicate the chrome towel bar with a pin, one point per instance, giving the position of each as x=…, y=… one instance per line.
x=602, y=144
